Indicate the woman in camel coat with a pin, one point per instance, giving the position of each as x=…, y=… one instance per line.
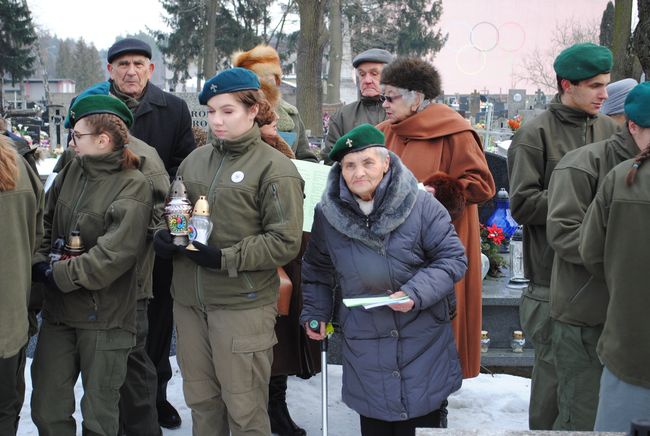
x=444, y=153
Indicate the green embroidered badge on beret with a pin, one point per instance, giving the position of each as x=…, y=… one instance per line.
x=100, y=104
x=357, y=139
x=583, y=61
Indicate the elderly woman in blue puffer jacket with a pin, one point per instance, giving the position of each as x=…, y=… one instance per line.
x=380, y=235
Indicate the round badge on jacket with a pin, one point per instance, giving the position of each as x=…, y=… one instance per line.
x=237, y=177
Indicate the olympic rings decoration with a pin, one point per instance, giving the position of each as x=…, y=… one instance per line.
x=461, y=68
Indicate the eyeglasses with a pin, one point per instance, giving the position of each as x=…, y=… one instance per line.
x=76, y=135
x=389, y=98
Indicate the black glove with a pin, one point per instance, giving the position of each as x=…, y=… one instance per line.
x=163, y=245
x=205, y=255
x=49, y=281
x=39, y=271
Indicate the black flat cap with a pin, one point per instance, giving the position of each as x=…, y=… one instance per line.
x=128, y=45
x=373, y=55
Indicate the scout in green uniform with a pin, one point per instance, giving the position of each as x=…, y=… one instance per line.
x=90, y=305
x=225, y=293
x=571, y=121
x=578, y=299
x=21, y=202
x=615, y=245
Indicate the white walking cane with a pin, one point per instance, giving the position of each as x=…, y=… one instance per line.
x=315, y=326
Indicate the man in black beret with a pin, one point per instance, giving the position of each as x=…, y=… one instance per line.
x=368, y=66
x=571, y=121
x=163, y=121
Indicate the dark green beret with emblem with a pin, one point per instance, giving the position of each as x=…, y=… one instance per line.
x=357, y=139
x=231, y=80
x=583, y=61
x=100, y=104
x=637, y=104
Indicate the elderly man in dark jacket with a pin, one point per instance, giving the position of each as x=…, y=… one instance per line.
x=382, y=236
x=163, y=121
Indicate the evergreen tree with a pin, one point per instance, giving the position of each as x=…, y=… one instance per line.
x=403, y=27
x=607, y=26
x=87, y=65
x=17, y=36
x=65, y=60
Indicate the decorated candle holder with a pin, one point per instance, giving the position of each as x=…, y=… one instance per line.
x=518, y=341
x=178, y=212
x=485, y=341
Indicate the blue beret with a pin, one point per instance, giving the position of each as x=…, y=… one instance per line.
x=128, y=45
x=231, y=80
x=637, y=104
x=101, y=88
x=583, y=61
x=357, y=139
x=100, y=104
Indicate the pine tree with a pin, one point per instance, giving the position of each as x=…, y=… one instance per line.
x=65, y=60
x=87, y=65
x=17, y=37
x=607, y=26
x=403, y=27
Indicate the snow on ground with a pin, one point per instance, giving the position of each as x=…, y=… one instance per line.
x=485, y=402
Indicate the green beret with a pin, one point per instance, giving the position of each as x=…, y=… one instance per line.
x=583, y=61
x=357, y=139
x=231, y=80
x=100, y=104
x=637, y=104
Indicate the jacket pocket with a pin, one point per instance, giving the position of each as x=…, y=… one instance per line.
x=589, y=304
x=276, y=200
x=251, y=361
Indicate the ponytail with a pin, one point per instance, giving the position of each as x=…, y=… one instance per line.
x=129, y=159
x=8, y=165
x=638, y=161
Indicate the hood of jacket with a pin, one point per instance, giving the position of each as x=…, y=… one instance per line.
x=394, y=199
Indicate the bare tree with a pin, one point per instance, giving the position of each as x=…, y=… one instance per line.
x=641, y=39
x=623, y=59
x=537, y=67
x=311, y=43
x=336, y=53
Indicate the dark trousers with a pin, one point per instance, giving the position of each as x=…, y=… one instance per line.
x=161, y=324
x=138, y=415
x=378, y=427
x=12, y=391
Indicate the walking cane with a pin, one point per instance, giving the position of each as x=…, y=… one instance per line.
x=314, y=325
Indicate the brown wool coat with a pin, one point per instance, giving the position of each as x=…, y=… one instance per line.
x=437, y=139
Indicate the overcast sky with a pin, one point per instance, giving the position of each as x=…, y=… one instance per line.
x=487, y=38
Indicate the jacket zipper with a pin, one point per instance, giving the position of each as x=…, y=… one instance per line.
x=74, y=216
x=278, y=206
x=199, y=281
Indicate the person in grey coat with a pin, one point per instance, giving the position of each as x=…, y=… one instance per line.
x=382, y=236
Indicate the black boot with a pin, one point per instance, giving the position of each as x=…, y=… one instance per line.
x=281, y=422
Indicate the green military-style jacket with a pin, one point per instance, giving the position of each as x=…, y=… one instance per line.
x=22, y=219
x=153, y=169
x=289, y=121
x=577, y=297
x=615, y=244
x=536, y=148
x=255, y=195
x=111, y=207
x=366, y=110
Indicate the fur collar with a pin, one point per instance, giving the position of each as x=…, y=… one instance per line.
x=394, y=199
